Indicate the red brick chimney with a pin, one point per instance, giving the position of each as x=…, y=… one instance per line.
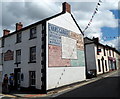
x=6, y=32
x=66, y=7
x=19, y=26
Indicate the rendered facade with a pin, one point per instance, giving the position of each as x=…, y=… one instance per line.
x=47, y=54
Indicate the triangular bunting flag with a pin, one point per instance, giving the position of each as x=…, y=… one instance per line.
x=99, y=4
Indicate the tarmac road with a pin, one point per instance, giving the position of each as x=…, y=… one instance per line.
x=106, y=87
x=109, y=86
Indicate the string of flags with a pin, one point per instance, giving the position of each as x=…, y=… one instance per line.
x=111, y=37
x=96, y=9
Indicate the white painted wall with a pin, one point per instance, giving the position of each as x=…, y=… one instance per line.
x=10, y=44
x=71, y=74
x=92, y=58
x=100, y=57
x=65, y=21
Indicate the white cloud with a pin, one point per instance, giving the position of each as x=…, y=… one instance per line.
x=29, y=12
x=113, y=43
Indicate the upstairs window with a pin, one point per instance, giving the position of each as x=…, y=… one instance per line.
x=109, y=52
x=104, y=51
x=113, y=53
x=18, y=56
x=33, y=33
x=33, y=54
x=18, y=37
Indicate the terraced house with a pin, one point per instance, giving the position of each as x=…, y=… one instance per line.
x=47, y=54
x=100, y=58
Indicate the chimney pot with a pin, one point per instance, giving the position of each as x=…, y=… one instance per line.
x=66, y=7
x=19, y=26
x=6, y=32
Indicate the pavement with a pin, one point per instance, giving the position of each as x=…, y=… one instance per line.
x=56, y=92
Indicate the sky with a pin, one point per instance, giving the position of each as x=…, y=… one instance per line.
x=104, y=24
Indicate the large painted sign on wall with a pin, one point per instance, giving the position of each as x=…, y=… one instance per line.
x=65, y=47
x=55, y=34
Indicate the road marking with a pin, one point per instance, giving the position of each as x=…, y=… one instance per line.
x=57, y=93
x=1, y=97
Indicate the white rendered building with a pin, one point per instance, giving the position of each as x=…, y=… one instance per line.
x=47, y=54
x=100, y=58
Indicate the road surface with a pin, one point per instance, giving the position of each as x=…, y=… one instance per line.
x=106, y=87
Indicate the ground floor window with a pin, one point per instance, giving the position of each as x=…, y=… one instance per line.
x=106, y=65
x=32, y=78
x=99, y=68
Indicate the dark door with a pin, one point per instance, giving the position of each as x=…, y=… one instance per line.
x=103, y=65
x=17, y=78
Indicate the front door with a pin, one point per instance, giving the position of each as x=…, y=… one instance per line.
x=32, y=79
x=103, y=66
x=17, y=72
x=102, y=59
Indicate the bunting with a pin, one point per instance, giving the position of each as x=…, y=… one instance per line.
x=110, y=37
x=96, y=9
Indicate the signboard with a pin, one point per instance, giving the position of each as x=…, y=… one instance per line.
x=66, y=48
x=99, y=50
x=55, y=34
x=8, y=55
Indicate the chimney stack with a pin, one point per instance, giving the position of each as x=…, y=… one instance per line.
x=19, y=26
x=66, y=7
x=96, y=39
x=6, y=32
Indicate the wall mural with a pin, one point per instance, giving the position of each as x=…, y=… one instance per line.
x=66, y=48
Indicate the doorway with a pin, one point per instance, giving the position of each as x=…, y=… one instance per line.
x=17, y=72
x=103, y=65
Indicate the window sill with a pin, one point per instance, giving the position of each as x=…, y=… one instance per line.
x=32, y=62
x=17, y=63
x=32, y=38
x=17, y=42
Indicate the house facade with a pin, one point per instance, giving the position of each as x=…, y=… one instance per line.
x=47, y=54
x=100, y=58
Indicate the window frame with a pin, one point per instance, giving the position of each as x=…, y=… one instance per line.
x=106, y=65
x=19, y=39
x=109, y=52
x=99, y=65
x=32, y=78
x=113, y=53
x=104, y=50
x=33, y=35
x=30, y=55
x=17, y=56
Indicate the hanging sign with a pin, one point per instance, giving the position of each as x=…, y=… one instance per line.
x=8, y=55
